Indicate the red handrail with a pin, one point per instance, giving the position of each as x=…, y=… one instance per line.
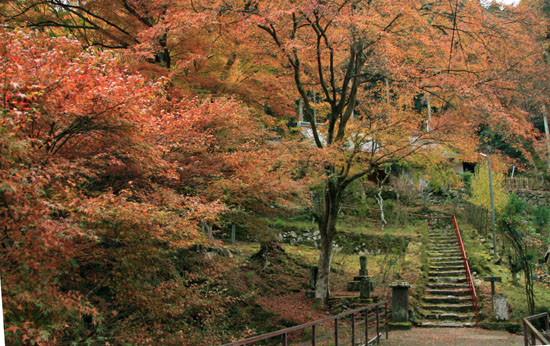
x=469, y=278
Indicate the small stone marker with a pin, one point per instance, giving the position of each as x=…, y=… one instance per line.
x=492, y=279
x=500, y=306
x=400, y=301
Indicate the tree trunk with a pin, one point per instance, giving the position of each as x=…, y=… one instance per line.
x=380, y=201
x=327, y=228
x=322, y=290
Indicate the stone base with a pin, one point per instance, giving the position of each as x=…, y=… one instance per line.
x=354, y=286
x=400, y=325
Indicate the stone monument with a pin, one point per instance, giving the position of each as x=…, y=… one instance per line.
x=362, y=283
x=400, y=301
x=500, y=305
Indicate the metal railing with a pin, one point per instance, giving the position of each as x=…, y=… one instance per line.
x=469, y=278
x=531, y=335
x=349, y=321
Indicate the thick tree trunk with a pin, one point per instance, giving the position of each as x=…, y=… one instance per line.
x=327, y=228
x=322, y=290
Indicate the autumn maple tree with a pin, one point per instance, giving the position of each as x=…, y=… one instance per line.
x=357, y=68
x=106, y=178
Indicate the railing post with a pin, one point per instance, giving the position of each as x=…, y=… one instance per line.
x=353, y=329
x=366, y=326
x=548, y=321
x=336, y=332
x=525, y=334
x=533, y=338
x=313, y=335
x=386, y=319
x=285, y=339
x=378, y=324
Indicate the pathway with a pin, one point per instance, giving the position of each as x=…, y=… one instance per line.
x=447, y=301
x=451, y=336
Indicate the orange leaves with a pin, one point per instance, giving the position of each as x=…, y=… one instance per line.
x=63, y=94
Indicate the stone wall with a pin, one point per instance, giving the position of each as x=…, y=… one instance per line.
x=349, y=242
x=534, y=197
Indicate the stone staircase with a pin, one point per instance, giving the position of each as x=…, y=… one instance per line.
x=446, y=301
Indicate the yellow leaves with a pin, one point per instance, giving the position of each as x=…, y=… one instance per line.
x=481, y=189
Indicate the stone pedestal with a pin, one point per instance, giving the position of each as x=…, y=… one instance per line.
x=400, y=301
x=500, y=306
x=365, y=288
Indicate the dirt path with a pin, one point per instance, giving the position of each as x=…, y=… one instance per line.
x=451, y=336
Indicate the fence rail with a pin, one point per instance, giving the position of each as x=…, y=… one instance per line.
x=531, y=335
x=527, y=183
x=357, y=318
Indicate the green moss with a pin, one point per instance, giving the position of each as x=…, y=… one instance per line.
x=512, y=327
x=400, y=325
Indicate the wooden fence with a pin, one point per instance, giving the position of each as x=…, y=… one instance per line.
x=539, y=183
x=348, y=327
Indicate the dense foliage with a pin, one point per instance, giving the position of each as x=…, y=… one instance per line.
x=128, y=127
x=105, y=180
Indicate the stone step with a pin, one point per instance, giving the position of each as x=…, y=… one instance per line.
x=443, y=248
x=445, y=315
x=448, y=285
x=446, y=263
x=447, y=273
x=449, y=299
x=443, y=241
x=448, y=291
x=439, y=259
x=443, y=252
x=446, y=324
x=448, y=279
x=446, y=268
x=436, y=238
x=448, y=307
x=454, y=250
